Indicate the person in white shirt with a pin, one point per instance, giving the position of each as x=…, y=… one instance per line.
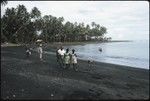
x=40, y=51
x=60, y=56
x=61, y=51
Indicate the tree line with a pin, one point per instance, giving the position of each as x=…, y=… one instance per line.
x=20, y=26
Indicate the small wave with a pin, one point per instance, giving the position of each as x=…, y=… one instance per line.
x=48, y=52
x=129, y=58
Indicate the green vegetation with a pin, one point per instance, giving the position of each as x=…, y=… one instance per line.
x=20, y=26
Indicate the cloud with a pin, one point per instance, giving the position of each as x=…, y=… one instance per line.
x=121, y=18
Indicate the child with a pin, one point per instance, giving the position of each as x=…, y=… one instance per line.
x=74, y=60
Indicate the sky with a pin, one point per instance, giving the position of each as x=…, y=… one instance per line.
x=124, y=20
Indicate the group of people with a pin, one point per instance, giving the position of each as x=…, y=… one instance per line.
x=66, y=59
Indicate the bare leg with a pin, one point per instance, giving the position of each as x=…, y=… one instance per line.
x=62, y=62
x=41, y=56
x=27, y=54
x=75, y=67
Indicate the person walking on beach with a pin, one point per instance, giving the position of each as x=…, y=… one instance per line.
x=67, y=59
x=40, y=51
x=60, y=56
x=74, y=60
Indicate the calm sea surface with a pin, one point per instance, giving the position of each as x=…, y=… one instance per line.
x=135, y=53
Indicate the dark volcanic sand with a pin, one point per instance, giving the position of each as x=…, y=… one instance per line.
x=23, y=78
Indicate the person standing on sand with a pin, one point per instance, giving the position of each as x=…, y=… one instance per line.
x=67, y=59
x=28, y=51
x=57, y=55
x=74, y=60
x=40, y=51
x=60, y=56
x=100, y=49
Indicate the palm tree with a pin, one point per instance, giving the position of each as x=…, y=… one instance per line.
x=93, y=24
x=103, y=30
x=35, y=13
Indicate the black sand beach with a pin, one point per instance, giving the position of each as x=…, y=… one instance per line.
x=23, y=78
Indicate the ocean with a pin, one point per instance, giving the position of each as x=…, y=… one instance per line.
x=134, y=53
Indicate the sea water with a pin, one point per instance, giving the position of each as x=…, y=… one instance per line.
x=134, y=53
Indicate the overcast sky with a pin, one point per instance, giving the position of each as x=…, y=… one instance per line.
x=125, y=20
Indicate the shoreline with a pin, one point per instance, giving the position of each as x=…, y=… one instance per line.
x=55, y=45
x=80, y=59
x=67, y=43
x=24, y=78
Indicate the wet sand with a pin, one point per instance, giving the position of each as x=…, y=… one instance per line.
x=30, y=78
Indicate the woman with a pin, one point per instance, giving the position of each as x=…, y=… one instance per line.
x=67, y=59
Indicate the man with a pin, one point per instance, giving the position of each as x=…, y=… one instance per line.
x=40, y=51
x=60, y=55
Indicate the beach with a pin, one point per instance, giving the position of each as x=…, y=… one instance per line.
x=30, y=78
